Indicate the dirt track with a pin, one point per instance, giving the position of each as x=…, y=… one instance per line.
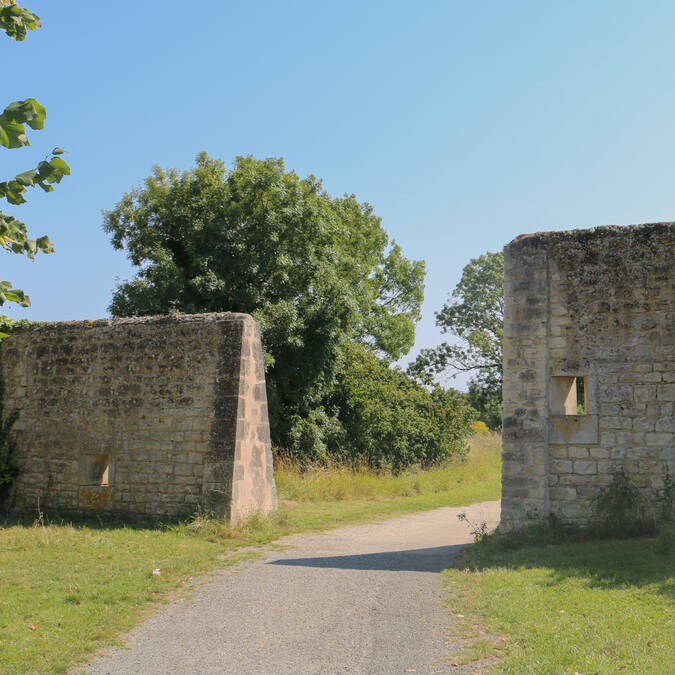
x=353, y=600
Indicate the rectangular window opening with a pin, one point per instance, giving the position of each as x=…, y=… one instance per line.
x=568, y=395
x=581, y=395
x=96, y=469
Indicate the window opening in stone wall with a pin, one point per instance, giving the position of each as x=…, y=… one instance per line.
x=96, y=469
x=568, y=395
x=581, y=395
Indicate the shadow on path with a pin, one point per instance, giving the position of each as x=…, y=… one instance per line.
x=416, y=560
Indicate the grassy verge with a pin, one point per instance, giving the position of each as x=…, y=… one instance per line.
x=68, y=589
x=552, y=606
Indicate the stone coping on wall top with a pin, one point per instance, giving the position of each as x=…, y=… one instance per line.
x=558, y=236
x=211, y=317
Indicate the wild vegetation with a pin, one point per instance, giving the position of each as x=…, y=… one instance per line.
x=479, y=473
x=337, y=302
x=67, y=589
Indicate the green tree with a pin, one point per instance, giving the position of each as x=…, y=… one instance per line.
x=16, y=21
x=317, y=272
x=475, y=316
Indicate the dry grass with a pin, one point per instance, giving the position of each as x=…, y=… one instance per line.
x=481, y=466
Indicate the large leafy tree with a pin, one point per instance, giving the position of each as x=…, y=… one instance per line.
x=16, y=21
x=474, y=316
x=316, y=271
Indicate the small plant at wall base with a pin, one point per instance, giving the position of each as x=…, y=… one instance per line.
x=479, y=531
x=621, y=507
x=666, y=498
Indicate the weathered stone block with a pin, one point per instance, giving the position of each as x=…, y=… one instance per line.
x=563, y=493
x=585, y=466
x=578, y=453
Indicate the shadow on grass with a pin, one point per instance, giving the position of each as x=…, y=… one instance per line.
x=94, y=521
x=603, y=563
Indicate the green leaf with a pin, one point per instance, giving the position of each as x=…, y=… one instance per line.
x=60, y=167
x=58, y=151
x=12, y=134
x=9, y=294
x=15, y=21
x=44, y=244
x=26, y=178
x=29, y=112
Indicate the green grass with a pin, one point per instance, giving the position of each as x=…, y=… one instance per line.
x=68, y=589
x=603, y=606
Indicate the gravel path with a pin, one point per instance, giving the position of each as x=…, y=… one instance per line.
x=353, y=600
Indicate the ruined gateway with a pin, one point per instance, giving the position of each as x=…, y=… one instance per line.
x=589, y=367
x=141, y=417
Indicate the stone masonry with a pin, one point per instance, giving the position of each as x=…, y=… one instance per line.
x=588, y=313
x=141, y=417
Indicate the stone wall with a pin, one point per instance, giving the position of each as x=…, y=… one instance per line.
x=142, y=416
x=594, y=306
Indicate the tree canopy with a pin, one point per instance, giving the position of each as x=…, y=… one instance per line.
x=474, y=314
x=16, y=21
x=317, y=272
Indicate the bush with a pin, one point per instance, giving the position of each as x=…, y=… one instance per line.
x=621, y=508
x=390, y=420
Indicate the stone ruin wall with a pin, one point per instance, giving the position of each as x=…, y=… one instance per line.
x=141, y=417
x=598, y=305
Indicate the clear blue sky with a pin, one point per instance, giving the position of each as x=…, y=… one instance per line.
x=463, y=123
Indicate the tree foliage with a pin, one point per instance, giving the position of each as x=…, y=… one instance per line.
x=474, y=315
x=317, y=272
x=391, y=420
x=16, y=21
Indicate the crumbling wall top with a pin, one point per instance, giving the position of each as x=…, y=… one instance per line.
x=548, y=239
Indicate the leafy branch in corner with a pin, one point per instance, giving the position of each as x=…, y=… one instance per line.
x=16, y=21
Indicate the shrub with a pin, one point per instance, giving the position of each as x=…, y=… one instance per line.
x=391, y=420
x=621, y=508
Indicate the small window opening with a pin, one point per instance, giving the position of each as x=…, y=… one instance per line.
x=97, y=469
x=581, y=395
x=568, y=395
